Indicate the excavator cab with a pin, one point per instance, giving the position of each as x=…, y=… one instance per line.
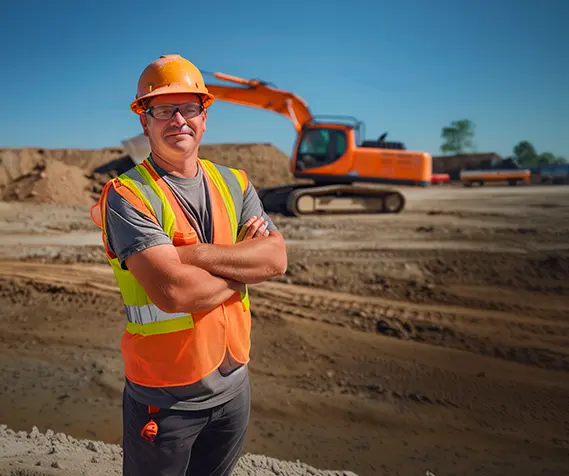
x=327, y=153
x=321, y=148
x=318, y=147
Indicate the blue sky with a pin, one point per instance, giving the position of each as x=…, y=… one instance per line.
x=408, y=67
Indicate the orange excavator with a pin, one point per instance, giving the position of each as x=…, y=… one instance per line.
x=348, y=174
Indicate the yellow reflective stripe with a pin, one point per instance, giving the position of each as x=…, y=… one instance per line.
x=161, y=327
x=245, y=300
x=132, y=292
x=225, y=194
x=169, y=217
x=229, y=204
x=239, y=178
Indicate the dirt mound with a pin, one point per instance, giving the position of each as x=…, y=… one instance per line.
x=16, y=163
x=58, y=176
x=76, y=176
x=51, y=454
x=50, y=182
x=86, y=159
x=265, y=165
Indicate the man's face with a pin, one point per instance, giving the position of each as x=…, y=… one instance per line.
x=177, y=136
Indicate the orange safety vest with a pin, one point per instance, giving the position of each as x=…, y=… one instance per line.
x=163, y=349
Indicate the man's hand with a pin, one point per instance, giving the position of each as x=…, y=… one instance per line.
x=236, y=285
x=253, y=228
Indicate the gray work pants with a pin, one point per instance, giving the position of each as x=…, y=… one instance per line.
x=188, y=443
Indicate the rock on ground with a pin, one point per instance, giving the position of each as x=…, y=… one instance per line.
x=57, y=454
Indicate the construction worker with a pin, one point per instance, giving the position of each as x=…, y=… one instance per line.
x=184, y=237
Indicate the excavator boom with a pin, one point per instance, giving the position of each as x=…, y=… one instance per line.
x=258, y=94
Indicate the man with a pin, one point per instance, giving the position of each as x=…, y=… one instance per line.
x=170, y=228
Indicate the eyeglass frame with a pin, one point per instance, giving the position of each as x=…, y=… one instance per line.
x=176, y=108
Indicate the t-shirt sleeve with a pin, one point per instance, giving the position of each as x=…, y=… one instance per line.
x=252, y=206
x=130, y=231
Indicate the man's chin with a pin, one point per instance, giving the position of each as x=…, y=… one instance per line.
x=181, y=143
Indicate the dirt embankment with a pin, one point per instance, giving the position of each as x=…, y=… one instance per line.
x=76, y=176
x=56, y=176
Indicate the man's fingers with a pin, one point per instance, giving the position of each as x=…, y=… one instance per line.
x=252, y=229
x=262, y=229
x=245, y=227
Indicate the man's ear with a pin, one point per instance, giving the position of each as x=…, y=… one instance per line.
x=144, y=123
x=204, y=119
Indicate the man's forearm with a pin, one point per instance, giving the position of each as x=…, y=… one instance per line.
x=249, y=262
x=194, y=290
x=177, y=287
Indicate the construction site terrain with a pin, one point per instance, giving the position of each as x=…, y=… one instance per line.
x=432, y=340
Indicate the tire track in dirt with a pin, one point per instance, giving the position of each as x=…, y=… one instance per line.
x=98, y=277
x=530, y=285
x=499, y=334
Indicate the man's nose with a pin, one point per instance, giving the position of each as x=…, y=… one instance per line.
x=178, y=119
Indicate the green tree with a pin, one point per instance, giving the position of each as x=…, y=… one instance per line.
x=458, y=137
x=526, y=156
x=547, y=158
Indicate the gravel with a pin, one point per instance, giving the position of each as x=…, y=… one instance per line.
x=50, y=453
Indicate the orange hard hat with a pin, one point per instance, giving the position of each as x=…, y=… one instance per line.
x=167, y=75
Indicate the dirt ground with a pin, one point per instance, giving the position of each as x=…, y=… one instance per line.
x=434, y=340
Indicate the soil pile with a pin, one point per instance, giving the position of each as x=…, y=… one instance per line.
x=50, y=182
x=50, y=453
x=86, y=159
x=58, y=176
x=266, y=166
x=15, y=164
x=76, y=176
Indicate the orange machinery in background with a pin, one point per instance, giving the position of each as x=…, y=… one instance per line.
x=349, y=174
x=496, y=175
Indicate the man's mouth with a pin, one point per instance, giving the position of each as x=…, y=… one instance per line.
x=188, y=131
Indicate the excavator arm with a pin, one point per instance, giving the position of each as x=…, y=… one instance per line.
x=256, y=93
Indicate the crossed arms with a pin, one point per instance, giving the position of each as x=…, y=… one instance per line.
x=200, y=277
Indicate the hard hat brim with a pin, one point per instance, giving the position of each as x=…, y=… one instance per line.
x=138, y=105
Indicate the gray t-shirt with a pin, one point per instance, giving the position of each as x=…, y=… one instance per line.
x=130, y=232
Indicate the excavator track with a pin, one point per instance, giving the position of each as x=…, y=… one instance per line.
x=307, y=199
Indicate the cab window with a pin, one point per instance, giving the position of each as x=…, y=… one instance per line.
x=320, y=147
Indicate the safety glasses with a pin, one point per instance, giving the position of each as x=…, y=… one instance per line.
x=167, y=111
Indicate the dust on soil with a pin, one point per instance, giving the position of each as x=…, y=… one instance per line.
x=435, y=340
